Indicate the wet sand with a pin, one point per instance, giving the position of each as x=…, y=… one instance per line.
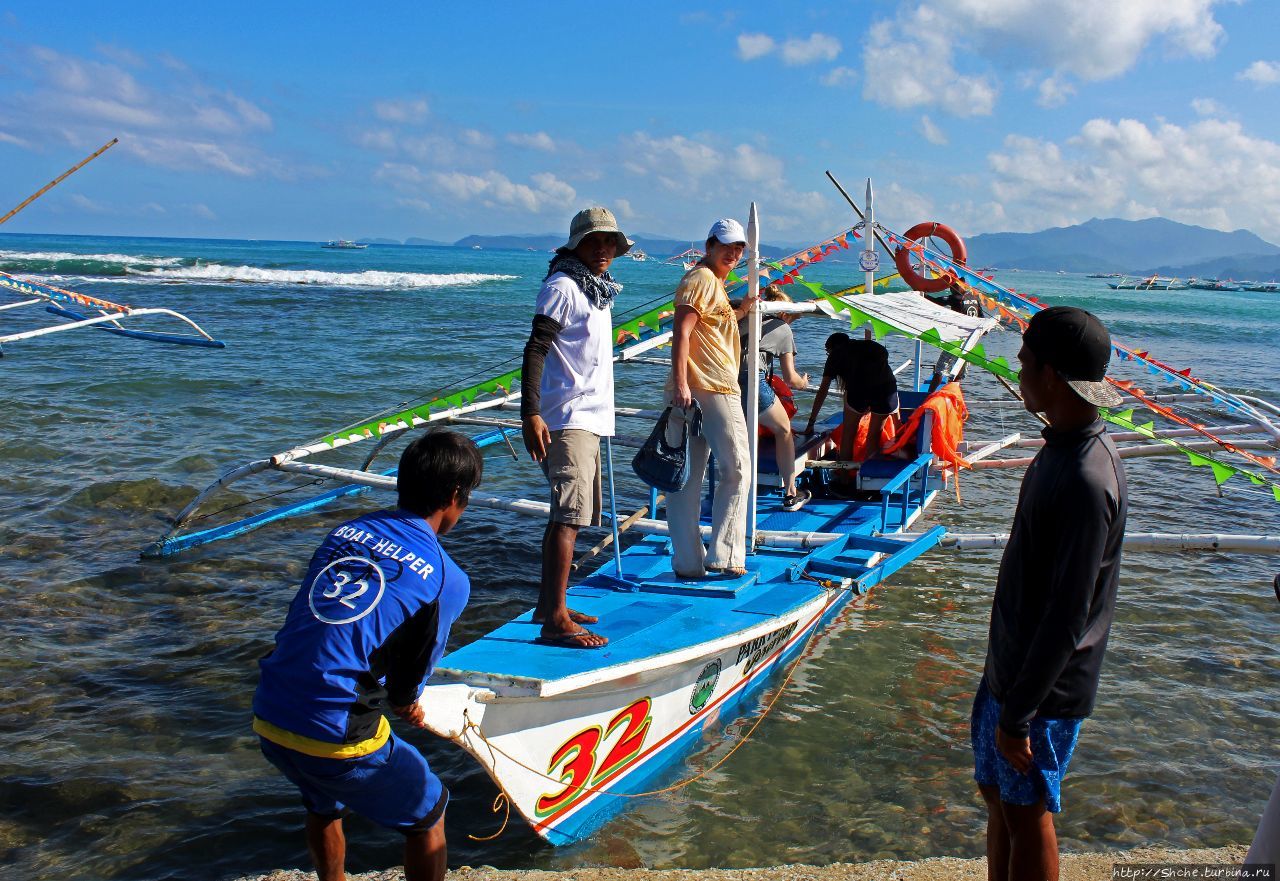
x=1075, y=867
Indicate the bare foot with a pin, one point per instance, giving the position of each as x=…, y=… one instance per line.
x=577, y=639
x=574, y=616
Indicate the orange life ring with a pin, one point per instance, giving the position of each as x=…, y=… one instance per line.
x=902, y=257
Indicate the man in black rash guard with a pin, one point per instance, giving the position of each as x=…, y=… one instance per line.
x=566, y=405
x=1055, y=596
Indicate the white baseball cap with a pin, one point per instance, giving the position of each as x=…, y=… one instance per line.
x=727, y=231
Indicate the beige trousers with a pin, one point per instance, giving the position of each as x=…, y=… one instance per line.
x=724, y=433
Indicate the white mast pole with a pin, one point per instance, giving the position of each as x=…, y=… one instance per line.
x=753, y=360
x=869, y=259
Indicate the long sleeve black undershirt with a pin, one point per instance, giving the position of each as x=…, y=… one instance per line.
x=535, y=356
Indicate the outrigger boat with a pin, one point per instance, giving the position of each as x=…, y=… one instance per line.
x=102, y=314
x=82, y=310
x=572, y=736
x=688, y=258
x=1149, y=283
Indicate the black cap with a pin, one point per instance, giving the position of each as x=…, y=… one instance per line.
x=1076, y=344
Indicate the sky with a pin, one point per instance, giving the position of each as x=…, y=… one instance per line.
x=436, y=120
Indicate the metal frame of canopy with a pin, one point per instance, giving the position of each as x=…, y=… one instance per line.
x=965, y=331
x=58, y=301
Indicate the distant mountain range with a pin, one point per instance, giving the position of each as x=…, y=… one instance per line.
x=1135, y=247
x=1132, y=246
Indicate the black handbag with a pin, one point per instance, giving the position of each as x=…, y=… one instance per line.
x=661, y=465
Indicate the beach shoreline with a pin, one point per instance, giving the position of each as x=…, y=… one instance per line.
x=1074, y=867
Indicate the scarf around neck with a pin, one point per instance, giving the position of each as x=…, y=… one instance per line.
x=600, y=289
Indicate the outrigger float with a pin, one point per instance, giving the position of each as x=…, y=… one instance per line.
x=572, y=736
x=83, y=310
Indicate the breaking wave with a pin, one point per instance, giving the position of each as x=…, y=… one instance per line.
x=68, y=263
x=216, y=273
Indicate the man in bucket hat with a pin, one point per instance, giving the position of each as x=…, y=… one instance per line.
x=566, y=405
x=1055, y=595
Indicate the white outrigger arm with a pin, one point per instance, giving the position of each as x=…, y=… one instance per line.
x=101, y=315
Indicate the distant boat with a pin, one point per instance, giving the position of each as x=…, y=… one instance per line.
x=1149, y=283
x=688, y=259
x=1214, y=284
x=1268, y=287
x=344, y=245
x=1104, y=275
x=476, y=248
x=638, y=255
x=988, y=270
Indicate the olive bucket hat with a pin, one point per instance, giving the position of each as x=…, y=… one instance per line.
x=595, y=219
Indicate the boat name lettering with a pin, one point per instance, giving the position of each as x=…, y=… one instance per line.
x=386, y=549
x=759, y=648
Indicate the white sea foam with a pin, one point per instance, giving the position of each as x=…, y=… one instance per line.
x=217, y=273
x=122, y=259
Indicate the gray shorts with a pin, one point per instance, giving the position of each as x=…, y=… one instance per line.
x=572, y=467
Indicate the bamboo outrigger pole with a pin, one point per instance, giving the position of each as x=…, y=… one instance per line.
x=57, y=180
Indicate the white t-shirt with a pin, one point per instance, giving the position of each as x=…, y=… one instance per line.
x=577, y=381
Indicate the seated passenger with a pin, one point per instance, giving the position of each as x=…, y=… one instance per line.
x=777, y=357
x=869, y=386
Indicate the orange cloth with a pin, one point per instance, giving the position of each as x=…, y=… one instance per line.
x=888, y=430
x=949, y=415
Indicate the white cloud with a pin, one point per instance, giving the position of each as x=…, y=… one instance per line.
x=400, y=174
x=403, y=110
x=495, y=189
x=471, y=137
x=753, y=46
x=534, y=141
x=1087, y=40
x=624, y=209
x=930, y=131
x=838, y=77
x=709, y=178
x=203, y=211
x=899, y=48
x=6, y=138
x=794, y=51
x=1212, y=173
x=87, y=205
x=1054, y=92
x=817, y=47
x=416, y=204
x=165, y=116
x=1261, y=73
x=377, y=139
x=1209, y=107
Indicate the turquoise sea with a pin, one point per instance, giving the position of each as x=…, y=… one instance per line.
x=125, y=749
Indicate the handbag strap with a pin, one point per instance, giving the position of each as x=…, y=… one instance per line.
x=695, y=422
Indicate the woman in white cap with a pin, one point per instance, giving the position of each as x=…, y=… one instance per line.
x=705, y=354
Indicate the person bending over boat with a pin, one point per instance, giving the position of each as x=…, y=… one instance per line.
x=777, y=357
x=566, y=405
x=862, y=369
x=364, y=631
x=705, y=356
x=1055, y=596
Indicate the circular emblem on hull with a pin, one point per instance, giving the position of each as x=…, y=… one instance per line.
x=705, y=686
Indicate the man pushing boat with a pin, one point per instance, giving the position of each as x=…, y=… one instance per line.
x=1055, y=596
x=566, y=405
x=365, y=630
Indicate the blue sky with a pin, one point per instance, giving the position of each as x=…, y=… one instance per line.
x=314, y=121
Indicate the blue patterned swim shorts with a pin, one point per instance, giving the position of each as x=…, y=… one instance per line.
x=1052, y=743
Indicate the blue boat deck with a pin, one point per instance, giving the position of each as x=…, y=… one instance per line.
x=664, y=613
